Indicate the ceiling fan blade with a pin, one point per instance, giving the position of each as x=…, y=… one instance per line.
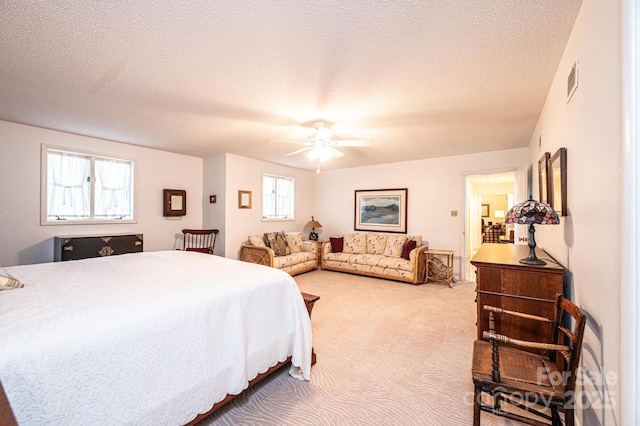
x=352, y=142
x=298, y=151
x=289, y=141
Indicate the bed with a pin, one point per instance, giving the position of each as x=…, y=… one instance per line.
x=151, y=338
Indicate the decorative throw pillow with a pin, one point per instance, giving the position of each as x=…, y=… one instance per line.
x=376, y=243
x=8, y=283
x=395, y=244
x=294, y=241
x=336, y=244
x=255, y=240
x=277, y=243
x=355, y=243
x=411, y=244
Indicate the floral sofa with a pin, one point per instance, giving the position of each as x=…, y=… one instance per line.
x=282, y=250
x=395, y=257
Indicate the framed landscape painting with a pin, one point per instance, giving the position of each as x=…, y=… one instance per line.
x=381, y=210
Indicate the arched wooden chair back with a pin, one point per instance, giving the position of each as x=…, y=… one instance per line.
x=201, y=240
x=508, y=370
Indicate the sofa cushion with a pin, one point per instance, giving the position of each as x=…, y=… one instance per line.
x=293, y=259
x=417, y=239
x=294, y=241
x=336, y=244
x=255, y=240
x=395, y=244
x=376, y=243
x=355, y=243
x=411, y=244
x=277, y=243
x=358, y=261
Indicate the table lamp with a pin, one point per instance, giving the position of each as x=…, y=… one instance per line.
x=532, y=212
x=313, y=224
x=499, y=215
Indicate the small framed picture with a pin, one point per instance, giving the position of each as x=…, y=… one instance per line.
x=244, y=199
x=212, y=199
x=484, y=210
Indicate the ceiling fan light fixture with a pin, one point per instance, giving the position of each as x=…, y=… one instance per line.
x=313, y=154
x=325, y=154
x=320, y=152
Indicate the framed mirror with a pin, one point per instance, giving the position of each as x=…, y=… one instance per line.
x=244, y=199
x=558, y=181
x=543, y=178
x=175, y=202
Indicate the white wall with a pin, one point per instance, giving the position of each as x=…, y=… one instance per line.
x=587, y=241
x=436, y=187
x=213, y=215
x=246, y=174
x=23, y=240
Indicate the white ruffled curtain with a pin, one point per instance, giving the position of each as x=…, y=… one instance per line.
x=112, y=189
x=284, y=192
x=277, y=197
x=68, y=194
x=268, y=197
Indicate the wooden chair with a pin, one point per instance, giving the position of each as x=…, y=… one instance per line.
x=202, y=240
x=534, y=386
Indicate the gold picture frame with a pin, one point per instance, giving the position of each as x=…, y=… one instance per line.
x=244, y=199
x=558, y=182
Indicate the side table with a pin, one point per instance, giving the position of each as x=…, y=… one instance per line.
x=319, y=244
x=440, y=266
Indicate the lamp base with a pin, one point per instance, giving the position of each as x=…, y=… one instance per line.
x=532, y=259
x=313, y=236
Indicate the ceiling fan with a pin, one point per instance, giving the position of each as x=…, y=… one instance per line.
x=321, y=147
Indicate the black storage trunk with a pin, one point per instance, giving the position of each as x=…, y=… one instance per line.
x=86, y=246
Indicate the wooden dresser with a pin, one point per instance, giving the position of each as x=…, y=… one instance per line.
x=86, y=246
x=504, y=282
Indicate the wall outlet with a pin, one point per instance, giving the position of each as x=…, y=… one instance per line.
x=454, y=213
x=523, y=239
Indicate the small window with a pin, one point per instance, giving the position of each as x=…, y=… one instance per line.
x=82, y=187
x=277, y=197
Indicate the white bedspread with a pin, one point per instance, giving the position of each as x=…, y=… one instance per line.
x=147, y=338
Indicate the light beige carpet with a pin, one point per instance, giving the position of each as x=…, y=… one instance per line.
x=389, y=353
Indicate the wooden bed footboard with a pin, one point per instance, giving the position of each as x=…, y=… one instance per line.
x=6, y=415
x=7, y=418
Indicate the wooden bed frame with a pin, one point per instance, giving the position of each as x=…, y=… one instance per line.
x=7, y=418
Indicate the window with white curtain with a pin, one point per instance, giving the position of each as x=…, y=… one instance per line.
x=277, y=197
x=83, y=187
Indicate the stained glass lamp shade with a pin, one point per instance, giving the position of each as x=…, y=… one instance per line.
x=532, y=212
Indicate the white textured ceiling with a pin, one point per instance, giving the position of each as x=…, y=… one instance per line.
x=420, y=79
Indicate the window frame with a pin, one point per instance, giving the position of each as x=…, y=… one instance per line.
x=93, y=155
x=293, y=202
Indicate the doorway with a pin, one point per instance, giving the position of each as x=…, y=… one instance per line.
x=488, y=198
